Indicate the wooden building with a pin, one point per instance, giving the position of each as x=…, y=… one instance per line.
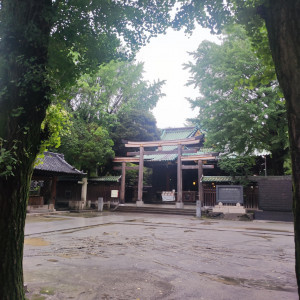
x=46, y=175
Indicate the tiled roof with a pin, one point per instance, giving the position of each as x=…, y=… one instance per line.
x=106, y=179
x=55, y=163
x=173, y=134
x=178, y=133
x=220, y=178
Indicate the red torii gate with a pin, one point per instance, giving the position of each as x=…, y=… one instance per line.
x=179, y=143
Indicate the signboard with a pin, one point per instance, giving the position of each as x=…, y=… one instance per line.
x=168, y=196
x=229, y=194
x=114, y=194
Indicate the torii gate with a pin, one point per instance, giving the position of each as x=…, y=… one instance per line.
x=179, y=143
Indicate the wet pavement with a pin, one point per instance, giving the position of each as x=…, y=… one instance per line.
x=144, y=256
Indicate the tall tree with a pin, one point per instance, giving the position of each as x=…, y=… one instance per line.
x=239, y=108
x=87, y=146
x=115, y=86
x=39, y=40
x=133, y=124
x=114, y=100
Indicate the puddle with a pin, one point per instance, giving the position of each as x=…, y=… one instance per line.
x=36, y=242
x=35, y=219
x=208, y=223
x=67, y=231
x=250, y=283
x=65, y=255
x=92, y=214
x=111, y=233
x=266, y=237
x=266, y=229
x=135, y=220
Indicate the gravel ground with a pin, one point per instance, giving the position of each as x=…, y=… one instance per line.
x=134, y=256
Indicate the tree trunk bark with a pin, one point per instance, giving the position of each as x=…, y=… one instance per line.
x=277, y=161
x=25, y=31
x=283, y=25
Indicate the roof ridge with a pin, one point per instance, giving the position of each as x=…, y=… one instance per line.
x=62, y=159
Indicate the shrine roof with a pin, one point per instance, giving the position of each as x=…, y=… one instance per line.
x=54, y=163
x=173, y=134
x=178, y=133
x=219, y=178
x=106, y=179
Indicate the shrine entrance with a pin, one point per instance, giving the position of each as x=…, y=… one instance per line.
x=187, y=159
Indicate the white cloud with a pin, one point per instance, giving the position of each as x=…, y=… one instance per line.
x=163, y=59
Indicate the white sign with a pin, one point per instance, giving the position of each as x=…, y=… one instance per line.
x=168, y=196
x=114, y=194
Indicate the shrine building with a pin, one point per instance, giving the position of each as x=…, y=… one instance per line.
x=177, y=161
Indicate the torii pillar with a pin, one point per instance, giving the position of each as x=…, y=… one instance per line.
x=179, y=203
x=122, y=193
x=200, y=186
x=139, y=201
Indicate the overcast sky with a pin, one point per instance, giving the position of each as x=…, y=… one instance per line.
x=163, y=59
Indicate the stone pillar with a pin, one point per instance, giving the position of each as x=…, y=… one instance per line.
x=141, y=177
x=83, y=192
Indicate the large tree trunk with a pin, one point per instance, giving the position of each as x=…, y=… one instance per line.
x=283, y=25
x=276, y=162
x=24, y=97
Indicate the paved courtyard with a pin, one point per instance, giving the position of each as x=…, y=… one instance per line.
x=145, y=256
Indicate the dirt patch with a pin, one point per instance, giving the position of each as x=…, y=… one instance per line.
x=36, y=242
x=112, y=285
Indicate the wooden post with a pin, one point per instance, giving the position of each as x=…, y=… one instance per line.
x=53, y=190
x=200, y=186
x=179, y=175
x=141, y=175
x=122, y=193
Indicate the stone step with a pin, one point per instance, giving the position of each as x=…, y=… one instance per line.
x=156, y=210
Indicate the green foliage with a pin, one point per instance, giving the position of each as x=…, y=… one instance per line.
x=211, y=14
x=133, y=175
x=115, y=99
x=98, y=32
x=239, y=108
x=237, y=165
x=87, y=145
x=133, y=125
x=288, y=166
x=55, y=125
x=8, y=160
x=114, y=87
